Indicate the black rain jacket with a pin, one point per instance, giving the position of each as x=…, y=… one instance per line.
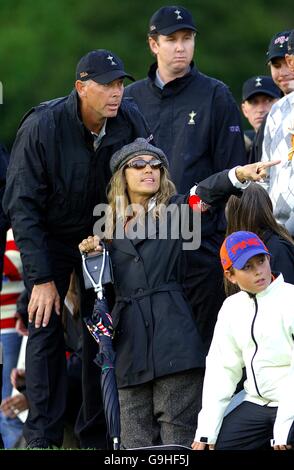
x=155, y=330
x=55, y=178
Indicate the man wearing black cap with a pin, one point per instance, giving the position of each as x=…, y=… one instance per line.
x=259, y=93
x=283, y=78
x=196, y=121
x=278, y=144
x=58, y=172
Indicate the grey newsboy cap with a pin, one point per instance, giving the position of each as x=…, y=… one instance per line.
x=140, y=146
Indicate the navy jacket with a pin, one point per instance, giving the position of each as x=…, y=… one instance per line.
x=196, y=121
x=55, y=178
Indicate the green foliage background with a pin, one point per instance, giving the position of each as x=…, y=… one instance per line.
x=42, y=40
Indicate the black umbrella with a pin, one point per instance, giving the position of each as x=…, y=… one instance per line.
x=100, y=327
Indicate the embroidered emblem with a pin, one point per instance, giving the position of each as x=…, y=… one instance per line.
x=281, y=40
x=111, y=60
x=192, y=116
x=83, y=74
x=258, y=81
x=178, y=13
x=234, y=129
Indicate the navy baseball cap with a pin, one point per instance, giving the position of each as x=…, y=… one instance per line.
x=291, y=43
x=239, y=247
x=278, y=45
x=102, y=66
x=169, y=19
x=260, y=84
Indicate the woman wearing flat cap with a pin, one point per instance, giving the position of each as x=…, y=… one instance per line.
x=159, y=353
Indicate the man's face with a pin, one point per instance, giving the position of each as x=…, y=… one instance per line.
x=290, y=62
x=102, y=101
x=282, y=75
x=174, y=52
x=256, y=107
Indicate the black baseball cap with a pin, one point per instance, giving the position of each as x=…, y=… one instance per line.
x=102, y=66
x=169, y=19
x=278, y=45
x=261, y=84
x=291, y=43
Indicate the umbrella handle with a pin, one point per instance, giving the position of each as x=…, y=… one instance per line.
x=97, y=286
x=116, y=444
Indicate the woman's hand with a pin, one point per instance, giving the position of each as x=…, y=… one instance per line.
x=254, y=171
x=90, y=244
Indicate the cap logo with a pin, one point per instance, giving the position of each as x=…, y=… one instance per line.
x=83, y=74
x=281, y=40
x=258, y=81
x=111, y=60
x=178, y=13
x=244, y=244
x=152, y=27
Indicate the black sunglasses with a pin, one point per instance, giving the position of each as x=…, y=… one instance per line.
x=140, y=164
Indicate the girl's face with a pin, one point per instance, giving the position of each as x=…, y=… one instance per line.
x=254, y=277
x=142, y=182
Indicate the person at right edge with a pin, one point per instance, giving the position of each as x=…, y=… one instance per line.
x=255, y=330
x=278, y=143
x=196, y=122
x=283, y=78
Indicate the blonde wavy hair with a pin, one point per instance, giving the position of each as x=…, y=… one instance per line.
x=119, y=203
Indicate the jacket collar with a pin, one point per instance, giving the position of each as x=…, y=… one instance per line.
x=115, y=127
x=176, y=85
x=276, y=283
x=72, y=106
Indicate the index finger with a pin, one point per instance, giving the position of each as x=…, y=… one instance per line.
x=272, y=163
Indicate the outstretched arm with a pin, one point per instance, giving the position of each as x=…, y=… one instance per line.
x=217, y=188
x=254, y=171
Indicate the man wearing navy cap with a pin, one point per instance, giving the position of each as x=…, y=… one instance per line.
x=58, y=172
x=196, y=122
x=259, y=93
x=283, y=78
x=275, y=58
x=278, y=144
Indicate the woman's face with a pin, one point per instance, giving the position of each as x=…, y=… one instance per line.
x=142, y=183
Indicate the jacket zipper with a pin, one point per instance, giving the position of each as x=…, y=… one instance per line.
x=256, y=345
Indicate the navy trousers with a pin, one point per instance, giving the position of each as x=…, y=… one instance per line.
x=247, y=427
